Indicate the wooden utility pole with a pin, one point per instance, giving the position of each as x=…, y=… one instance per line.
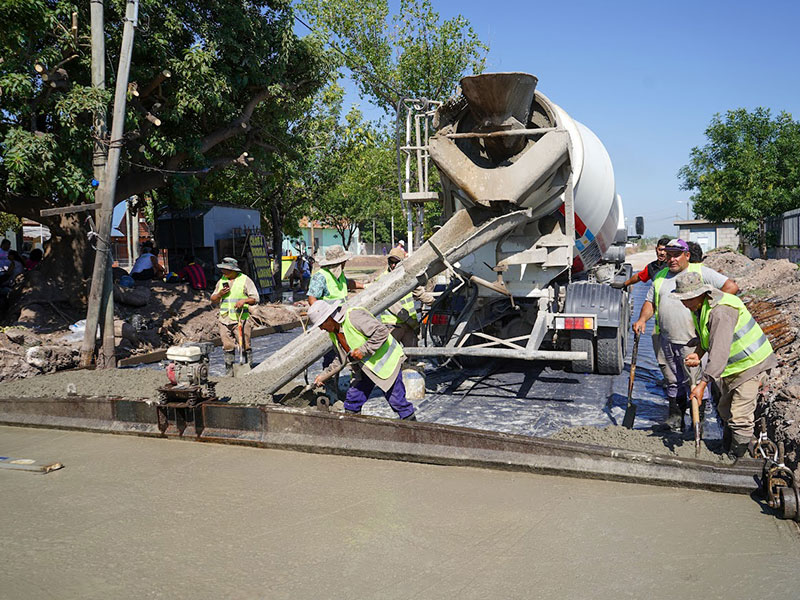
x=102, y=283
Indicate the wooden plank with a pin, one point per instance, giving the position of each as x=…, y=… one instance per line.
x=157, y=355
x=65, y=210
x=29, y=464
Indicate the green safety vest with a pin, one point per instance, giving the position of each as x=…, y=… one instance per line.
x=227, y=306
x=385, y=359
x=406, y=303
x=337, y=288
x=749, y=347
x=658, y=280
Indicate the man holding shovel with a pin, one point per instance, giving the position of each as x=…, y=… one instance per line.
x=235, y=293
x=739, y=356
x=376, y=358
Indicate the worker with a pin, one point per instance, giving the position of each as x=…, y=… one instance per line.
x=739, y=356
x=401, y=316
x=649, y=272
x=376, y=357
x=401, y=245
x=193, y=273
x=236, y=293
x=330, y=283
x=674, y=324
x=147, y=265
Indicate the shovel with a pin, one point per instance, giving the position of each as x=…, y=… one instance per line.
x=630, y=411
x=696, y=424
x=311, y=385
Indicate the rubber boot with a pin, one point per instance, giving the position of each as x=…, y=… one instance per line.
x=740, y=446
x=674, y=419
x=351, y=413
x=411, y=417
x=230, y=357
x=727, y=438
x=683, y=402
x=248, y=358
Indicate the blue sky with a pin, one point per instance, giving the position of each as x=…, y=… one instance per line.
x=646, y=77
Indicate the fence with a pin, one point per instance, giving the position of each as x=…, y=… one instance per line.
x=786, y=228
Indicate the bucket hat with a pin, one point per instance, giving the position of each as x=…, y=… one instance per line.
x=335, y=255
x=229, y=264
x=397, y=254
x=319, y=312
x=689, y=284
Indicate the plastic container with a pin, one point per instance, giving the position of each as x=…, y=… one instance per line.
x=414, y=382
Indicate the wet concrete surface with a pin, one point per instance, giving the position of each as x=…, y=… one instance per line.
x=144, y=518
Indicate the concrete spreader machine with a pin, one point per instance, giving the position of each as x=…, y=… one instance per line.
x=533, y=232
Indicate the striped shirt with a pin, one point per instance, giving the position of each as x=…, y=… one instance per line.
x=194, y=274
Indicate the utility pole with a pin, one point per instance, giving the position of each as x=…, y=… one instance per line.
x=102, y=283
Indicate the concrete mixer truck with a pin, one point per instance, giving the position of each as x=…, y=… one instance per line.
x=532, y=233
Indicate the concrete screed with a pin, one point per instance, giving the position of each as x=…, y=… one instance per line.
x=142, y=518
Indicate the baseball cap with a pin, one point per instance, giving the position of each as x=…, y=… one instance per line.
x=677, y=244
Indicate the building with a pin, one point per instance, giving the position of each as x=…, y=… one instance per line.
x=709, y=235
x=324, y=236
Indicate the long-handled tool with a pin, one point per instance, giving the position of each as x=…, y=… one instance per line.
x=696, y=424
x=312, y=385
x=243, y=367
x=630, y=410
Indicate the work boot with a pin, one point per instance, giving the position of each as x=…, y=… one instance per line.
x=674, y=418
x=248, y=358
x=230, y=357
x=740, y=446
x=411, y=417
x=351, y=413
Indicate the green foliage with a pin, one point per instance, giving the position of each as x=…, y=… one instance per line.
x=221, y=55
x=413, y=54
x=9, y=223
x=749, y=170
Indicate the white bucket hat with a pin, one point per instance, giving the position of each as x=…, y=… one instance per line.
x=335, y=255
x=229, y=264
x=319, y=312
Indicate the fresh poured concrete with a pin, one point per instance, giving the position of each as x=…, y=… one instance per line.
x=145, y=518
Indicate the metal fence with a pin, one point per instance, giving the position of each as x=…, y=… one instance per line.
x=786, y=228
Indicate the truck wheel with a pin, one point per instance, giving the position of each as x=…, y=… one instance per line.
x=581, y=341
x=610, y=352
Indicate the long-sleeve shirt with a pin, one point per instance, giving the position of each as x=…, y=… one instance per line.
x=721, y=325
x=376, y=333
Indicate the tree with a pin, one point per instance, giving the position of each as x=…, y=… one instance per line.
x=748, y=171
x=413, y=54
x=209, y=77
x=357, y=177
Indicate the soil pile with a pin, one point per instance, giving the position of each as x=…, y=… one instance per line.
x=38, y=339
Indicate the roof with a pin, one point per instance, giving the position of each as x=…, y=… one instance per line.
x=703, y=222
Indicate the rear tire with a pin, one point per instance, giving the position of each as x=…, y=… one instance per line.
x=610, y=350
x=581, y=341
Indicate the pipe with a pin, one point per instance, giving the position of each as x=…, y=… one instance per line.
x=521, y=354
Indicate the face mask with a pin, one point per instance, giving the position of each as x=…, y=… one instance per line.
x=336, y=270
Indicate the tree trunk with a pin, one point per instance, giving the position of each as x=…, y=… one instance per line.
x=66, y=265
x=762, y=239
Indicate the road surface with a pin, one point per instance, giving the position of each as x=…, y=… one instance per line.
x=145, y=518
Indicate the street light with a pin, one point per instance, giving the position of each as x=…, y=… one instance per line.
x=688, y=203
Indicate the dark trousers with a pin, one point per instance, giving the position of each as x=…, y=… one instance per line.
x=360, y=389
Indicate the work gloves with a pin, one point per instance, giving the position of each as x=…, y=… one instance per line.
x=618, y=285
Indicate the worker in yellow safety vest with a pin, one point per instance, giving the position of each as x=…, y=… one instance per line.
x=376, y=358
x=235, y=292
x=739, y=356
x=401, y=316
x=330, y=284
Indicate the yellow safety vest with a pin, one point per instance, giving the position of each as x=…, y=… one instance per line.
x=406, y=303
x=337, y=288
x=385, y=359
x=227, y=306
x=749, y=347
x=659, y=279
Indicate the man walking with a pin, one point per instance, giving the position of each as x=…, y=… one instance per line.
x=674, y=325
x=739, y=356
x=377, y=358
x=235, y=293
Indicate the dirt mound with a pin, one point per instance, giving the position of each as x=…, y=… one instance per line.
x=729, y=262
